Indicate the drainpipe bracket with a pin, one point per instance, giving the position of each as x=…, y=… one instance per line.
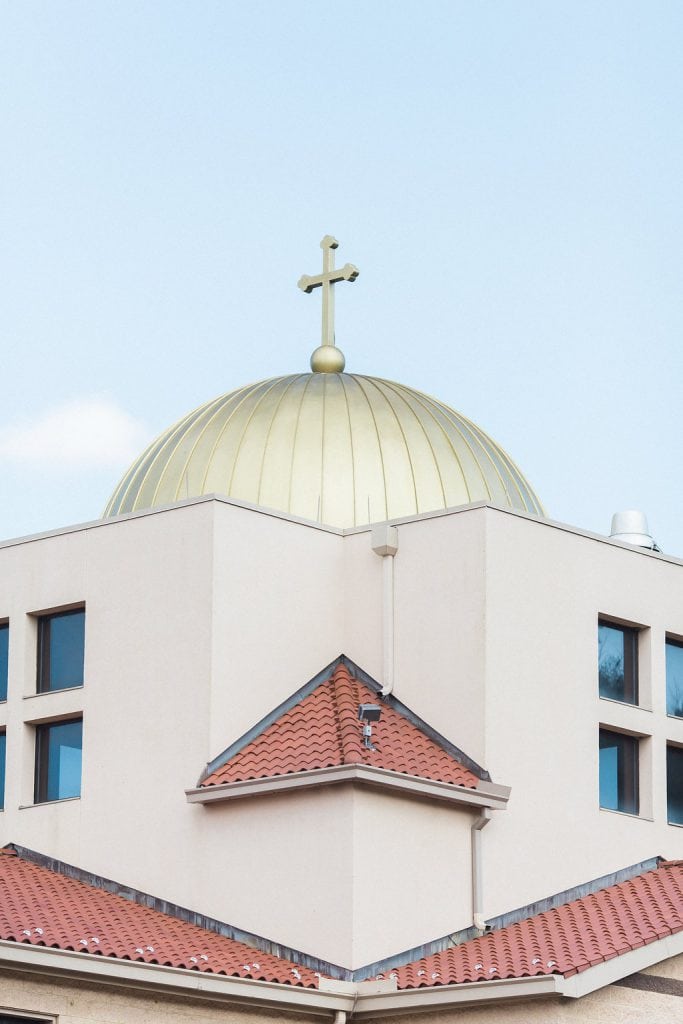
x=384, y=540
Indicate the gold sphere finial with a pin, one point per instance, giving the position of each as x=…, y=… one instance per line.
x=328, y=359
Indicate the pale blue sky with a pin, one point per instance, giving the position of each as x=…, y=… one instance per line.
x=506, y=176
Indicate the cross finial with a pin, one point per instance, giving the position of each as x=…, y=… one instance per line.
x=327, y=358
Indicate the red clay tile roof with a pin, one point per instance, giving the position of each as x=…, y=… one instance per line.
x=323, y=731
x=41, y=907
x=566, y=940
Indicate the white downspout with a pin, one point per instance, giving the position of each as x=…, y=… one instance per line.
x=384, y=541
x=478, y=825
x=340, y=1017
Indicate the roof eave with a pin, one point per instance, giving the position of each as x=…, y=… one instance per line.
x=622, y=966
x=470, y=994
x=175, y=981
x=361, y=1000
x=486, y=794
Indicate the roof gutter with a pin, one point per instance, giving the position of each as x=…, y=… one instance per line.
x=443, y=997
x=486, y=794
x=334, y=999
x=172, y=981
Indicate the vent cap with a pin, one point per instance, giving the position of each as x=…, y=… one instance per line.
x=631, y=527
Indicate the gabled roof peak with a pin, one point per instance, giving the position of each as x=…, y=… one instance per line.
x=319, y=728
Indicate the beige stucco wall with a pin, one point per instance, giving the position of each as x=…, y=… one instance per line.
x=411, y=873
x=439, y=588
x=546, y=588
x=611, y=1005
x=202, y=618
x=333, y=872
x=85, y=1003
x=277, y=615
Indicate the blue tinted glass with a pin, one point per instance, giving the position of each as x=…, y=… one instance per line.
x=674, y=679
x=618, y=772
x=609, y=787
x=65, y=746
x=4, y=650
x=674, y=784
x=67, y=644
x=3, y=753
x=611, y=661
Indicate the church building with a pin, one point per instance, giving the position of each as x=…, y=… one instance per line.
x=325, y=718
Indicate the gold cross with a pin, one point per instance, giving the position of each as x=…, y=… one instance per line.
x=326, y=281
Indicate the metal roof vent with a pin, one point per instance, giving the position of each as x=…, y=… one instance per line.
x=631, y=527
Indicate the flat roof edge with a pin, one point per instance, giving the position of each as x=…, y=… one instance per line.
x=311, y=524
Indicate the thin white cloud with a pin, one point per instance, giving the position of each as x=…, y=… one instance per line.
x=80, y=434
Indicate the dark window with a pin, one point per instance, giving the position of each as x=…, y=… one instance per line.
x=618, y=662
x=674, y=785
x=3, y=756
x=58, y=760
x=4, y=1019
x=674, y=678
x=4, y=652
x=618, y=772
x=61, y=645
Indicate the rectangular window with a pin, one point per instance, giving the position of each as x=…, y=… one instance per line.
x=4, y=657
x=3, y=758
x=4, y=1019
x=61, y=649
x=674, y=785
x=618, y=772
x=674, y=678
x=618, y=662
x=59, y=749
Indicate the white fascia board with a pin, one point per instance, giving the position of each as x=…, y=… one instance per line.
x=442, y=997
x=622, y=966
x=486, y=794
x=175, y=981
x=365, y=999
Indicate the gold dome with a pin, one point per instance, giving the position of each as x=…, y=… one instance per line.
x=337, y=448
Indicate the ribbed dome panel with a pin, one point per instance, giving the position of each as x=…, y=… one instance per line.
x=337, y=448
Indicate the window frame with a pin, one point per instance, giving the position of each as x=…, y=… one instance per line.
x=628, y=771
x=679, y=750
x=3, y=766
x=41, y=779
x=19, y=1017
x=631, y=661
x=4, y=669
x=671, y=641
x=43, y=649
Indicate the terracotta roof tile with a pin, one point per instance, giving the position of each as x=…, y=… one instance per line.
x=41, y=907
x=566, y=940
x=323, y=730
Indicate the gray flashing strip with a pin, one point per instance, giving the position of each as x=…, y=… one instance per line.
x=418, y=722
x=560, y=898
x=308, y=688
x=503, y=920
x=315, y=963
x=272, y=716
x=209, y=924
x=416, y=953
